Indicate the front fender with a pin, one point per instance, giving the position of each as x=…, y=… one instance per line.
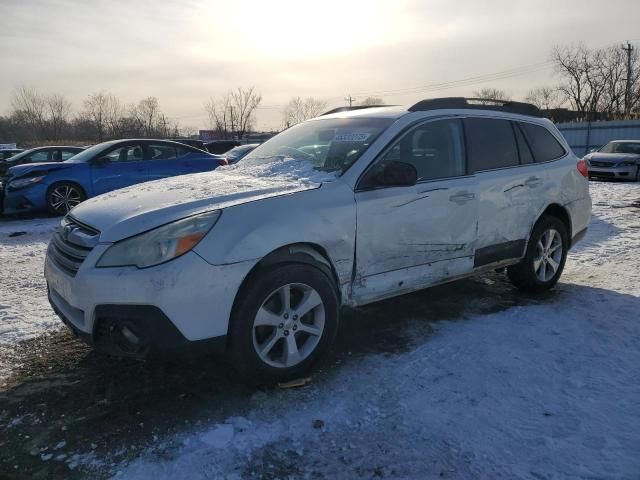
x=325, y=217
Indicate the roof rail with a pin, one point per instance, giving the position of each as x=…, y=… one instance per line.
x=353, y=107
x=477, y=104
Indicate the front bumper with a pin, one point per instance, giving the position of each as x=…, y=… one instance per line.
x=628, y=173
x=183, y=304
x=29, y=199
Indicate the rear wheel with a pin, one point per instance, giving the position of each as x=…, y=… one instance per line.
x=285, y=318
x=544, y=260
x=62, y=197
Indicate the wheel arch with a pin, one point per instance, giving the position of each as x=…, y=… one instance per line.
x=303, y=252
x=558, y=211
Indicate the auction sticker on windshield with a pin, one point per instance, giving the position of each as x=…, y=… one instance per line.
x=351, y=137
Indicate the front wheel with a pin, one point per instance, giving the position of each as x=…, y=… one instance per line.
x=542, y=265
x=285, y=319
x=62, y=197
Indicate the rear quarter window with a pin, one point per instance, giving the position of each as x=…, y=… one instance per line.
x=543, y=144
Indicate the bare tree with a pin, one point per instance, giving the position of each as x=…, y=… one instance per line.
x=544, y=97
x=149, y=117
x=29, y=107
x=488, y=93
x=59, y=110
x=298, y=110
x=233, y=114
x=101, y=108
x=584, y=73
x=372, y=101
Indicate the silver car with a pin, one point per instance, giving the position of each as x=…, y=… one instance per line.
x=617, y=159
x=346, y=209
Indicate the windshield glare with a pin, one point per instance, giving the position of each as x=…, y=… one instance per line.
x=621, y=147
x=329, y=145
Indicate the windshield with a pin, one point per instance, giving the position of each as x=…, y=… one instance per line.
x=330, y=145
x=621, y=147
x=20, y=155
x=89, y=153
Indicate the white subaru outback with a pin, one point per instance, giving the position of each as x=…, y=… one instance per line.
x=351, y=207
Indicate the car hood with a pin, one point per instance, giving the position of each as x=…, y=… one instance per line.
x=30, y=169
x=132, y=210
x=612, y=157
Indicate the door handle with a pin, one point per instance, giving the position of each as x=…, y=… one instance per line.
x=462, y=197
x=533, y=182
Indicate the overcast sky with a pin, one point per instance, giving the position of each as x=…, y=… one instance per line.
x=185, y=52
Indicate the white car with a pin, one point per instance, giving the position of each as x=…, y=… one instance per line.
x=258, y=258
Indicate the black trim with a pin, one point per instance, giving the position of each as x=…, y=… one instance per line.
x=158, y=336
x=507, y=106
x=578, y=236
x=498, y=252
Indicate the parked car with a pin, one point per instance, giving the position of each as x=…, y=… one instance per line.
x=194, y=142
x=258, y=258
x=58, y=187
x=617, y=159
x=6, y=153
x=238, y=153
x=40, y=154
x=218, y=147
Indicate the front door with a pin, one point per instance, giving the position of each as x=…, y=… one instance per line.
x=411, y=237
x=125, y=166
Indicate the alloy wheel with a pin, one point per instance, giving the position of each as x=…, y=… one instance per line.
x=288, y=326
x=548, y=256
x=64, y=197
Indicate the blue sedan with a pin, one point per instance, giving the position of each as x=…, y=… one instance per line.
x=60, y=186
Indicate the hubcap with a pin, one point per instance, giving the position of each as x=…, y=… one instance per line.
x=288, y=325
x=64, y=198
x=549, y=249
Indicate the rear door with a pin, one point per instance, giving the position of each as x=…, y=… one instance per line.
x=163, y=160
x=510, y=186
x=124, y=165
x=413, y=236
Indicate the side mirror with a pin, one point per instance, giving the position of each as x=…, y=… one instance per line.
x=100, y=161
x=392, y=174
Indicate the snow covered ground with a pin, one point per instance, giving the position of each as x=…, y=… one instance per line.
x=489, y=384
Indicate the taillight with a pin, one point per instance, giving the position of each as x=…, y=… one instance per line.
x=583, y=168
x=222, y=162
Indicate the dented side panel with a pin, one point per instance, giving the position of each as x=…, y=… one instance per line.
x=407, y=234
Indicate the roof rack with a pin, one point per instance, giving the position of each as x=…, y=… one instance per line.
x=353, y=107
x=477, y=104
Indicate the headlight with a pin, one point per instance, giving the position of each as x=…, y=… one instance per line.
x=24, y=182
x=161, y=244
x=627, y=163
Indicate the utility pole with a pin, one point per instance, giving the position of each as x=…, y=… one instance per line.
x=627, y=92
x=349, y=99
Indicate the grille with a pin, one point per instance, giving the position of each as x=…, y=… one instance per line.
x=71, y=244
x=602, y=164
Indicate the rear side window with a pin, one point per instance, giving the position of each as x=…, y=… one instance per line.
x=544, y=145
x=161, y=152
x=490, y=144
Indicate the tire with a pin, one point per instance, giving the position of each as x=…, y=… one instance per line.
x=548, y=246
x=63, y=196
x=262, y=326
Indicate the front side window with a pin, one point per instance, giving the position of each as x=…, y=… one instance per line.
x=544, y=145
x=491, y=144
x=435, y=149
x=329, y=144
x=41, y=156
x=129, y=153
